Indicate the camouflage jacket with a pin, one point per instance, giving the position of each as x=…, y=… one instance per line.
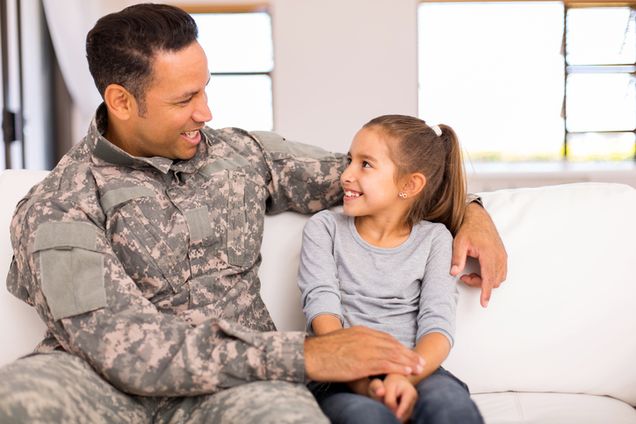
x=147, y=268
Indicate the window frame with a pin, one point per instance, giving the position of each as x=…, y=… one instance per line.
x=571, y=69
x=606, y=69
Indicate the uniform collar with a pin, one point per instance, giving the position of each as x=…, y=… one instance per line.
x=106, y=151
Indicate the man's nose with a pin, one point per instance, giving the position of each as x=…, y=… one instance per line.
x=202, y=112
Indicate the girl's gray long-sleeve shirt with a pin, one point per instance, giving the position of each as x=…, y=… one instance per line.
x=405, y=291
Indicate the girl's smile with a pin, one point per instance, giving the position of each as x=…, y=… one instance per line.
x=351, y=195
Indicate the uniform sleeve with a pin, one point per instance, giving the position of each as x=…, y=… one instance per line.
x=439, y=293
x=318, y=275
x=64, y=265
x=304, y=178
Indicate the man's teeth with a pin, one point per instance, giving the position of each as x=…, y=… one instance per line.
x=352, y=194
x=191, y=134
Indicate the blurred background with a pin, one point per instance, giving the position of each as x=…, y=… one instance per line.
x=539, y=92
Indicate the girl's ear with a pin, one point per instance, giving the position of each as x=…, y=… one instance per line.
x=414, y=184
x=120, y=102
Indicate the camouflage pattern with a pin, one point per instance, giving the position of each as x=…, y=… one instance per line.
x=146, y=268
x=60, y=387
x=262, y=402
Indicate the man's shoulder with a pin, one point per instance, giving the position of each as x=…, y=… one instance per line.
x=233, y=136
x=72, y=174
x=233, y=140
x=70, y=181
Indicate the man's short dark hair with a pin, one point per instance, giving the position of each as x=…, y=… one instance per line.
x=121, y=45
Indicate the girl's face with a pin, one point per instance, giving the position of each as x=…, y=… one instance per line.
x=369, y=180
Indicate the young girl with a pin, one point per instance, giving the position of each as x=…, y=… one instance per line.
x=384, y=263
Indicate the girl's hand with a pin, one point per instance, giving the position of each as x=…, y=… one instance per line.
x=360, y=386
x=399, y=395
x=376, y=390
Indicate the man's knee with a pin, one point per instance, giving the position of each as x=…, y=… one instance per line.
x=261, y=402
x=59, y=387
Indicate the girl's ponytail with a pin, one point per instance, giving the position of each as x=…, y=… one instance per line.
x=448, y=203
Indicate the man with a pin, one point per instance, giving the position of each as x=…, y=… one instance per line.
x=140, y=252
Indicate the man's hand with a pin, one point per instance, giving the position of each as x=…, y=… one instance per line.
x=477, y=237
x=397, y=393
x=357, y=352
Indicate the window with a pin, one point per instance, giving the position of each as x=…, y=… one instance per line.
x=530, y=80
x=600, y=106
x=239, y=47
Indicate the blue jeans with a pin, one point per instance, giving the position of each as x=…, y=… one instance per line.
x=442, y=399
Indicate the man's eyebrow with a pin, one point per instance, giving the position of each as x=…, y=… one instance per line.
x=192, y=93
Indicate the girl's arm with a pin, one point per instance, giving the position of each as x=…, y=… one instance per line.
x=317, y=271
x=325, y=323
x=438, y=303
x=435, y=347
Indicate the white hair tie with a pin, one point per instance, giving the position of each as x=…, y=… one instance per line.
x=437, y=129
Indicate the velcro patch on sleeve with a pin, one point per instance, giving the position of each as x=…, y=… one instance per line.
x=72, y=270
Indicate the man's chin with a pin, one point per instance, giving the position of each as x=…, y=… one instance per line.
x=186, y=155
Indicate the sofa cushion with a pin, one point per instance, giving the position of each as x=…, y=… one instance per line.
x=553, y=408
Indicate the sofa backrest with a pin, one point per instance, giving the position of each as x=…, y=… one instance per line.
x=20, y=327
x=564, y=321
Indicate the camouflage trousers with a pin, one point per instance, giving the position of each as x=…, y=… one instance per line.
x=61, y=388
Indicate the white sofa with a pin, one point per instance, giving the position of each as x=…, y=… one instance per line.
x=557, y=343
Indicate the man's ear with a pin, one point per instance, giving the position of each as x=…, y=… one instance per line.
x=414, y=184
x=120, y=102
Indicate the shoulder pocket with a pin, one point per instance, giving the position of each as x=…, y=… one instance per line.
x=71, y=268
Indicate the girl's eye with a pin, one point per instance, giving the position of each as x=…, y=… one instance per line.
x=348, y=161
x=366, y=164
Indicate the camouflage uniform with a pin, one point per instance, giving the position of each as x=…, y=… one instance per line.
x=145, y=272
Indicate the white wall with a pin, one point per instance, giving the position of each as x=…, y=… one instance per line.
x=341, y=63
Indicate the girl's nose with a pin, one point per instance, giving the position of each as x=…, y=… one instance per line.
x=347, y=175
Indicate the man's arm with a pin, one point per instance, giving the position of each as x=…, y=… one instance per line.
x=302, y=178
x=478, y=237
x=65, y=266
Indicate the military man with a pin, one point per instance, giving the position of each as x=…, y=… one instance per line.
x=140, y=252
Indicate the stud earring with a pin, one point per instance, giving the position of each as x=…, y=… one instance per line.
x=402, y=195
